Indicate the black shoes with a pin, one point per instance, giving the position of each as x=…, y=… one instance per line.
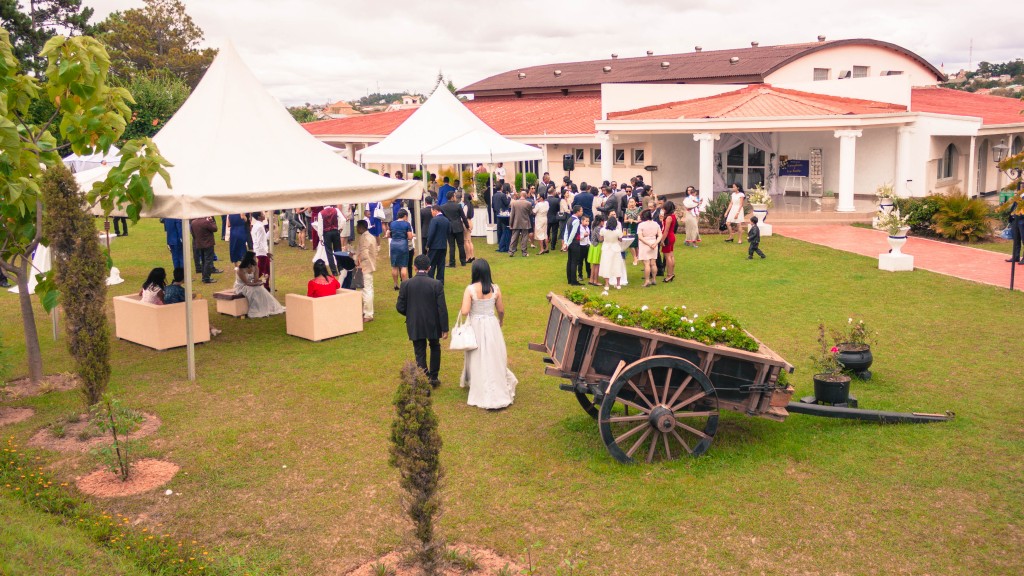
x=218, y=271
x=209, y=281
x=435, y=383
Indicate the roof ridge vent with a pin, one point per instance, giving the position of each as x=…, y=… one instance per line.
x=734, y=60
x=698, y=48
x=754, y=44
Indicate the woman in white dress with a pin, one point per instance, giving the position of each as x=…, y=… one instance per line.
x=613, y=266
x=734, y=215
x=491, y=384
x=540, y=225
x=321, y=251
x=249, y=283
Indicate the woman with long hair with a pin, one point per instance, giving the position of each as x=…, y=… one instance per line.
x=612, y=267
x=648, y=235
x=322, y=284
x=249, y=283
x=631, y=220
x=734, y=214
x=153, y=288
x=668, y=239
x=491, y=384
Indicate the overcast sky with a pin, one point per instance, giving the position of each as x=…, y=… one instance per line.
x=326, y=50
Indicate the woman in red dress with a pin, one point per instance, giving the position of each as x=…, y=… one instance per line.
x=322, y=284
x=668, y=242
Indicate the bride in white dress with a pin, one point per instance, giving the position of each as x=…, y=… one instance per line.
x=491, y=384
x=249, y=284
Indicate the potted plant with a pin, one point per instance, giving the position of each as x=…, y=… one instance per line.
x=828, y=200
x=886, y=194
x=830, y=384
x=895, y=225
x=760, y=201
x=854, y=347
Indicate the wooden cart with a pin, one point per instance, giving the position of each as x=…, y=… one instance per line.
x=656, y=395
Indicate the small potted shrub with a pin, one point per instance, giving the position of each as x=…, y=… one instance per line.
x=853, y=343
x=831, y=386
x=895, y=225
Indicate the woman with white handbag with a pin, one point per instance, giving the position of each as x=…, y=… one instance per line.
x=491, y=384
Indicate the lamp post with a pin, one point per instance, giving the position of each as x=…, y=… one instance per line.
x=1015, y=174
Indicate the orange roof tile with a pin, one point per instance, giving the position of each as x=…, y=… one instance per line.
x=992, y=110
x=507, y=116
x=759, y=101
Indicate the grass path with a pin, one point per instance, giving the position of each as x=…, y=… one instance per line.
x=283, y=442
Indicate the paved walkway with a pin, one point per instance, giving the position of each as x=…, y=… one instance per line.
x=964, y=262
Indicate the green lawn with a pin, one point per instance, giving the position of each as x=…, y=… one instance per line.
x=283, y=442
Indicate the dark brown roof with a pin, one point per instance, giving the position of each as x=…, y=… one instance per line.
x=753, y=66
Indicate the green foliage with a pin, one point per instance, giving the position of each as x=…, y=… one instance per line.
x=464, y=561
x=961, y=218
x=854, y=333
x=378, y=98
x=158, y=94
x=382, y=569
x=483, y=181
x=531, y=179
x=160, y=36
x=118, y=455
x=80, y=273
x=22, y=478
x=825, y=360
x=892, y=222
x=919, y=212
x=302, y=114
x=31, y=29
x=5, y=363
x=713, y=328
x=416, y=453
x=712, y=214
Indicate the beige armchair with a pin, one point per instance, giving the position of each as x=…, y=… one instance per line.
x=317, y=319
x=159, y=327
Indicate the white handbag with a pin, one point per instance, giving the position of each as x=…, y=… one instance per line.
x=463, y=337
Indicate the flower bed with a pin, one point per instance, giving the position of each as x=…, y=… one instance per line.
x=713, y=328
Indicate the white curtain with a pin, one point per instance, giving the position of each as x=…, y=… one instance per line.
x=762, y=140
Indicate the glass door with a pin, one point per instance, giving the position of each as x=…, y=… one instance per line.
x=746, y=165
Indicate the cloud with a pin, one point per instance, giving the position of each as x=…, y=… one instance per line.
x=319, y=50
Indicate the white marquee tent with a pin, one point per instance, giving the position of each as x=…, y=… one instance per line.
x=235, y=148
x=82, y=163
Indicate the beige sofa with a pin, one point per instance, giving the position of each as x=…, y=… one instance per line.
x=159, y=327
x=320, y=318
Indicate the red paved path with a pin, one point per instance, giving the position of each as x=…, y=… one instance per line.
x=973, y=264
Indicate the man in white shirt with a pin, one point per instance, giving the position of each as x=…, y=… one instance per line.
x=261, y=247
x=499, y=173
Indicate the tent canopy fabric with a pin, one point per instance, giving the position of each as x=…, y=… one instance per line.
x=444, y=131
x=235, y=148
x=82, y=163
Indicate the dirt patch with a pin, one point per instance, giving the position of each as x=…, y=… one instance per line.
x=70, y=442
x=23, y=387
x=14, y=415
x=145, y=475
x=488, y=562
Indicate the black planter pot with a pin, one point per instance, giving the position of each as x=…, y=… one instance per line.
x=857, y=361
x=832, y=392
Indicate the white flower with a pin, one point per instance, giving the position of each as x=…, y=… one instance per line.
x=619, y=316
x=607, y=305
x=849, y=320
x=682, y=318
x=723, y=328
x=713, y=325
x=168, y=492
x=684, y=307
x=643, y=308
x=695, y=315
x=692, y=329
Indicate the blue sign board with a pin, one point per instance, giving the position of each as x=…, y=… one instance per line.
x=795, y=168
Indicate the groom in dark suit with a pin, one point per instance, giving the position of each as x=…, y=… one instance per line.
x=437, y=242
x=421, y=301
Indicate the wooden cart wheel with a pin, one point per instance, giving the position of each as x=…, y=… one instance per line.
x=588, y=404
x=674, y=410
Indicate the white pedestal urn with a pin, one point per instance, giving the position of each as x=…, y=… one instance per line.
x=885, y=205
x=492, y=233
x=480, y=222
x=896, y=260
x=761, y=211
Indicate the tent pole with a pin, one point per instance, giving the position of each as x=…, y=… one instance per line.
x=270, y=249
x=190, y=338
x=490, y=211
x=420, y=232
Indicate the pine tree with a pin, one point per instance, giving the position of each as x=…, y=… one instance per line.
x=31, y=27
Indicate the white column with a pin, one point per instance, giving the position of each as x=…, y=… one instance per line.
x=706, y=183
x=351, y=149
x=847, y=167
x=607, y=155
x=972, y=171
x=190, y=338
x=903, y=134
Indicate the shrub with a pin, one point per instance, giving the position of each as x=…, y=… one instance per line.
x=961, y=218
x=416, y=453
x=531, y=179
x=117, y=455
x=713, y=211
x=80, y=273
x=919, y=212
x=483, y=182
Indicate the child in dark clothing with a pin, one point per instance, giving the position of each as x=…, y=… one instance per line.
x=754, y=239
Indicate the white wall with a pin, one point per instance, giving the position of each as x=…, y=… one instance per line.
x=875, y=160
x=678, y=159
x=891, y=89
x=620, y=97
x=845, y=58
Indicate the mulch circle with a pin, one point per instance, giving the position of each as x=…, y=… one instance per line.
x=489, y=561
x=24, y=388
x=70, y=442
x=14, y=415
x=145, y=475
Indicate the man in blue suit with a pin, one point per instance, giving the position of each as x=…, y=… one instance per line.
x=444, y=192
x=437, y=243
x=172, y=226
x=585, y=199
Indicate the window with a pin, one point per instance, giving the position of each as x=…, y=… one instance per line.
x=860, y=71
x=532, y=166
x=620, y=156
x=821, y=74
x=1017, y=146
x=580, y=155
x=745, y=165
x=595, y=155
x=638, y=156
x=892, y=72
x=947, y=163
